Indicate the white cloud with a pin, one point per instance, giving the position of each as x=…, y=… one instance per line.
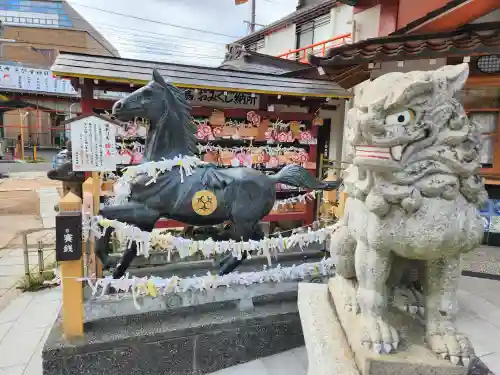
x=136, y=38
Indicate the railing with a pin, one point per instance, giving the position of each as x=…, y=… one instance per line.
x=317, y=49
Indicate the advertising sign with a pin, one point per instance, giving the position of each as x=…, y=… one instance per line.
x=16, y=77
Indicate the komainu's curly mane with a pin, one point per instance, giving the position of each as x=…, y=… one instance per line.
x=441, y=158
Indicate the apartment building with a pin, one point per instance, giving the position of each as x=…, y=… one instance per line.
x=32, y=98
x=282, y=48
x=353, y=41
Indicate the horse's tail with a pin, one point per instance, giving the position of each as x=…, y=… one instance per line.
x=298, y=176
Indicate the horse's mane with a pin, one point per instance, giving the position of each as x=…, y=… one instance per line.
x=179, y=112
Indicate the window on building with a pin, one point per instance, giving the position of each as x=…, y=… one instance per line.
x=260, y=45
x=322, y=28
x=314, y=31
x=305, y=34
x=29, y=10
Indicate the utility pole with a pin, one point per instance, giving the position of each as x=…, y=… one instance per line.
x=252, y=17
x=252, y=22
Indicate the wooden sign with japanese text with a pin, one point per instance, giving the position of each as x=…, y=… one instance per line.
x=93, y=145
x=222, y=99
x=68, y=236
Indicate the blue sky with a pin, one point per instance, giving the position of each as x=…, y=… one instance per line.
x=220, y=21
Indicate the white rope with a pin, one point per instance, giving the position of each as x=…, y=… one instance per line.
x=268, y=246
x=155, y=286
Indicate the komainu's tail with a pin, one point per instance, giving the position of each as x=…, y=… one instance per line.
x=298, y=176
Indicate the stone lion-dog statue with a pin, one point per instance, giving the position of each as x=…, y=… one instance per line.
x=414, y=190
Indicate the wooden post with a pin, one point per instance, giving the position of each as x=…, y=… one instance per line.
x=71, y=270
x=91, y=188
x=339, y=210
x=21, y=118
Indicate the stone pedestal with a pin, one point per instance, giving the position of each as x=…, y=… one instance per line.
x=332, y=339
x=412, y=356
x=190, y=333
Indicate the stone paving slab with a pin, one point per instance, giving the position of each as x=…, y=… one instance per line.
x=485, y=259
x=24, y=327
x=12, y=267
x=30, y=316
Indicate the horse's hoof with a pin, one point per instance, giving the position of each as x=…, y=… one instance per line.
x=230, y=266
x=224, y=261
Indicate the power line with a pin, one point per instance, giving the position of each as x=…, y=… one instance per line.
x=111, y=27
x=136, y=49
x=165, y=41
x=168, y=50
x=155, y=21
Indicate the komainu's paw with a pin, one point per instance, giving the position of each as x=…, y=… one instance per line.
x=451, y=346
x=409, y=300
x=349, y=288
x=378, y=335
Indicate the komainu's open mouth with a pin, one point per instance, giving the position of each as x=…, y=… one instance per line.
x=383, y=153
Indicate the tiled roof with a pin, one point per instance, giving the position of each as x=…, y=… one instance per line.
x=187, y=76
x=240, y=59
x=471, y=39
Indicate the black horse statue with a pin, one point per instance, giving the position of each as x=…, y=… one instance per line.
x=209, y=196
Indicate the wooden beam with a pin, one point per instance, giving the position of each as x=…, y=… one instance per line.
x=459, y=16
x=87, y=91
x=486, y=80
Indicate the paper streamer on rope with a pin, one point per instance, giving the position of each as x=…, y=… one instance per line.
x=268, y=246
x=155, y=286
x=152, y=169
x=299, y=198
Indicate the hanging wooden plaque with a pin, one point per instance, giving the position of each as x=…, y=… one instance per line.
x=217, y=118
x=318, y=121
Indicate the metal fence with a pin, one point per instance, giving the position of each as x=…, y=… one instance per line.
x=40, y=249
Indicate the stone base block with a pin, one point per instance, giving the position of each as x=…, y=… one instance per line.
x=327, y=349
x=191, y=334
x=412, y=356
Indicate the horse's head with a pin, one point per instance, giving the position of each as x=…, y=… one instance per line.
x=149, y=101
x=170, y=118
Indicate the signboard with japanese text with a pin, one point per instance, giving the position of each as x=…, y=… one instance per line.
x=93, y=145
x=68, y=236
x=211, y=98
x=198, y=97
x=16, y=77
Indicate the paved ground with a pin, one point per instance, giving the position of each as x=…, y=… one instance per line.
x=25, y=167
x=25, y=323
x=46, y=156
x=29, y=199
